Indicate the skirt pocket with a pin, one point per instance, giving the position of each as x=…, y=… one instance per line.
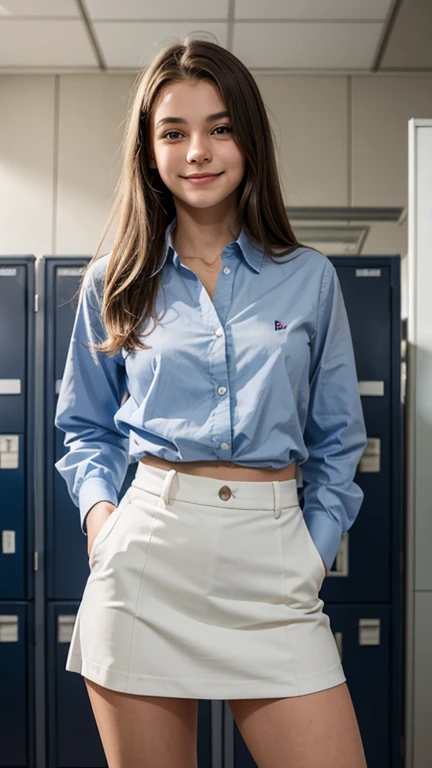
x=314, y=547
x=304, y=570
x=107, y=527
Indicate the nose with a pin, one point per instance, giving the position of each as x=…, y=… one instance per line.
x=199, y=150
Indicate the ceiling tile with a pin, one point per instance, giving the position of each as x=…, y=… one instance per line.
x=409, y=46
x=312, y=46
x=135, y=44
x=312, y=9
x=41, y=8
x=44, y=43
x=163, y=9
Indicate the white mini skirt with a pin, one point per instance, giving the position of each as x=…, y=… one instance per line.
x=206, y=589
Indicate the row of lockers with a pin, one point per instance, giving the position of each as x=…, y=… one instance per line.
x=375, y=532
x=44, y=553
x=363, y=635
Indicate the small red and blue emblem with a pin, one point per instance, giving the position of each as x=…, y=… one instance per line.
x=279, y=326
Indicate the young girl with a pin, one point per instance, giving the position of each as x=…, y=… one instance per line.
x=214, y=349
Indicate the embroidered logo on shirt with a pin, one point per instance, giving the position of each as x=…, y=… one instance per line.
x=279, y=326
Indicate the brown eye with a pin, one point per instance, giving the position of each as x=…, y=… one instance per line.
x=170, y=133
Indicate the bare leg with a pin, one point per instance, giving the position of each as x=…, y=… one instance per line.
x=301, y=731
x=150, y=731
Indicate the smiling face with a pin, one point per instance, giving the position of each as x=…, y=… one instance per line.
x=193, y=143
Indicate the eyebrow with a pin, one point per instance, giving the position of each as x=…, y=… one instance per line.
x=208, y=119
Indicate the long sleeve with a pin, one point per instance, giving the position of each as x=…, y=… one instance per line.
x=91, y=392
x=335, y=433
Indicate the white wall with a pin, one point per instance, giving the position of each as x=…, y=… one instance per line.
x=340, y=141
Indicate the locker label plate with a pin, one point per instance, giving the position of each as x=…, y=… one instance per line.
x=372, y=388
x=369, y=631
x=8, y=629
x=10, y=386
x=8, y=542
x=65, y=625
x=368, y=273
x=9, y=451
x=69, y=271
x=371, y=458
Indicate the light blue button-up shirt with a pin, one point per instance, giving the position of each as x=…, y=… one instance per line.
x=263, y=375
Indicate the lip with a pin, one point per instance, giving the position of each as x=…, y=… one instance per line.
x=203, y=179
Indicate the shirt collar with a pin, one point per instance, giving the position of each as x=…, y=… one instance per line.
x=243, y=244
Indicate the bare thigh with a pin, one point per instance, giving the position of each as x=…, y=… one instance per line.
x=301, y=731
x=150, y=731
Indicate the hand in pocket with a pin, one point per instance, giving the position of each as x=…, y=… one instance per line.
x=95, y=521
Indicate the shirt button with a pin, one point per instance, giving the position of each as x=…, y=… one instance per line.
x=226, y=270
x=221, y=390
x=224, y=445
x=219, y=332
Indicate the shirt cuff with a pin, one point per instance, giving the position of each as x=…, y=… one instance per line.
x=326, y=534
x=92, y=490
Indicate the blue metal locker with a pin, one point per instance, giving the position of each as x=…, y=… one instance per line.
x=363, y=637
x=67, y=566
x=17, y=559
x=370, y=570
x=367, y=296
x=364, y=589
x=17, y=731
x=74, y=741
x=73, y=738
x=16, y=426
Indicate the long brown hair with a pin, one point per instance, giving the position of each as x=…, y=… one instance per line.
x=146, y=206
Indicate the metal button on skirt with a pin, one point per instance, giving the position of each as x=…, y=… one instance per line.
x=206, y=589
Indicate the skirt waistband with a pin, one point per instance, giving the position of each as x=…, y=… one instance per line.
x=245, y=494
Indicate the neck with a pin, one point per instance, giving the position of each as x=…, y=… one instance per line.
x=204, y=240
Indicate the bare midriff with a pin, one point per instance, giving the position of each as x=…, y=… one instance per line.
x=224, y=470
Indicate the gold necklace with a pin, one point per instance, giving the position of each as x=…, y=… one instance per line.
x=208, y=264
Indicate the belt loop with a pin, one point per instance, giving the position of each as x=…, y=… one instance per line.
x=277, y=509
x=167, y=485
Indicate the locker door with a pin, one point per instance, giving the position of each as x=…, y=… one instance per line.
x=16, y=690
x=15, y=567
x=362, y=634
x=67, y=561
x=368, y=541
x=68, y=565
x=73, y=738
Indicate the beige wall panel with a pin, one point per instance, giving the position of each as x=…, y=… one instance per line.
x=382, y=107
x=26, y=163
x=309, y=118
x=386, y=238
x=93, y=111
